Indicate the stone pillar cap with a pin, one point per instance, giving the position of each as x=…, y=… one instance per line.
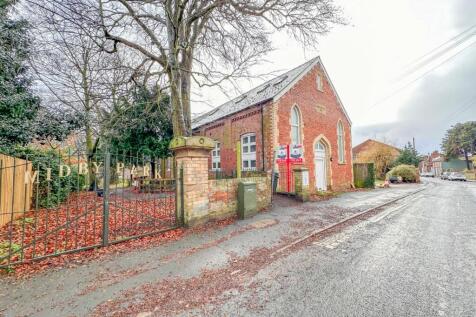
x=192, y=142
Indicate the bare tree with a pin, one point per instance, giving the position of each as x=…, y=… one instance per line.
x=207, y=41
x=75, y=73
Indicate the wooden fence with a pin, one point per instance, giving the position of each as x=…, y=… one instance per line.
x=15, y=196
x=364, y=175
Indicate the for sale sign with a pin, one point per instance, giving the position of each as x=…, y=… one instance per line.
x=296, y=155
x=282, y=154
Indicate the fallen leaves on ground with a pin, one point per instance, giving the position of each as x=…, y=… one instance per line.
x=203, y=293
x=78, y=224
x=78, y=258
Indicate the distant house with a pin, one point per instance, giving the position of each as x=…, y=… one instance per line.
x=431, y=163
x=300, y=109
x=362, y=152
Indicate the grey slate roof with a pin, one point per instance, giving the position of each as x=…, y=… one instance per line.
x=263, y=92
x=272, y=89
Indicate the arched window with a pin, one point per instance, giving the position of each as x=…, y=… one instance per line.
x=340, y=142
x=295, y=126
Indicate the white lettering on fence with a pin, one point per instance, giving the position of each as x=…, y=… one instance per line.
x=62, y=170
x=119, y=168
x=31, y=178
x=146, y=170
x=97, y=166
x=82, y=168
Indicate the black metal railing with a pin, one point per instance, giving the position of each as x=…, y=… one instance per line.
x=68, y=202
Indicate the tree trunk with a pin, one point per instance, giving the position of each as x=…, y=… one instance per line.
x=186, y=78
x=89, y=139
x=176, y=103
x=467, y=160
x=175, y=77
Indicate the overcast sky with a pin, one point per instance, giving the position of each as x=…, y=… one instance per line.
x=371, y=62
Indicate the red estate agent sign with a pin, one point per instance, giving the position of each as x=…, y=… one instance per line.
x=287, y=154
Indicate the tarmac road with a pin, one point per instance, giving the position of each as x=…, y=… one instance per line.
x=416, y=258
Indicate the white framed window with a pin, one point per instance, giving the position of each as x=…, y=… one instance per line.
x=319, y=83
x=248, y=152
x=216, y=161
x=295, y=126
x=340, y=142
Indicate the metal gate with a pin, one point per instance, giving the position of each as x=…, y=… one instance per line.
x=69, y=202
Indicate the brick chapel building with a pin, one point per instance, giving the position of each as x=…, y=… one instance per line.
x=300, y=106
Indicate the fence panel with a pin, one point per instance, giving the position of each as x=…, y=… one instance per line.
x=364, y=175
x=15, y=196
x=145, y=204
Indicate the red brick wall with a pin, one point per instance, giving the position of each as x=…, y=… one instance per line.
x=228, y=132
x=276, y=123
x=307, y=97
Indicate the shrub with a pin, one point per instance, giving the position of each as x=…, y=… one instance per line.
x=49, y=193
x=408, y=173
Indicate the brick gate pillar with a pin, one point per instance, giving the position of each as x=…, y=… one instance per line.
x=191, y=155
x=301, y=183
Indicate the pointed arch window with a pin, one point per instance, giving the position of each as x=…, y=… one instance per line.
x=340, y=142
x=295, y=126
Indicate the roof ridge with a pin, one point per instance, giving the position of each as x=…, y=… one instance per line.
x=270, y=80
x=377, y=141
x=257, y=88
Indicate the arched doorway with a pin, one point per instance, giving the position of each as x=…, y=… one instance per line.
x=320, y=165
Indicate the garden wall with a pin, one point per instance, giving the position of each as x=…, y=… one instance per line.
x=223, y=195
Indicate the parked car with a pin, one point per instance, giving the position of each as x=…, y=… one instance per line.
x=395, y=179
x=457, y=177
x=445, y=175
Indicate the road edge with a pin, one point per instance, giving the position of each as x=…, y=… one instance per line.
x=357, y=215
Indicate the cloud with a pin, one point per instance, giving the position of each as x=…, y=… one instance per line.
x=465, y=13
x=439, y=101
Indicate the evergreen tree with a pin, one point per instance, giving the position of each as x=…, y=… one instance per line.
x=460, y=140
x=141, y=126
x=408, y=156
x=18, y=106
